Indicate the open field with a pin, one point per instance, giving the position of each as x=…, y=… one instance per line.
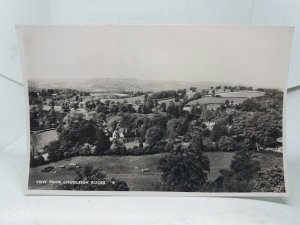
x=121, y=167
x=45, y=137
x=130, y=100
x=243, y=94
x=268, y=159
x=216, y=100
x=167, y=101
x=237, y=97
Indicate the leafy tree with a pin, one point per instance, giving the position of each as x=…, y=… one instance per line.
x=213, y=92
x=227, y=144
x=269, y=180
x=207, y=115
x=238, y=177
x=34, y=145
x=54, y=151
x=219, y=129
x=34, y=120
x=145, y=97
x=197, y=140
x=193, y=89
x=258, y=127
x=171, y=108
x=176, y=127
x=163, y=107
x=154, y=135
x=148, y=106
x=78, y=131
x=184, y=171
x=102, y=142
x=197, y=95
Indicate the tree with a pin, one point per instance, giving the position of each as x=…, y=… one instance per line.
x=145, y=97
x=227, y=144
x=213, y=92
x=197, y=140
x=154, y=135
x=269, y=180
x=163, y=106
x=78, y=131
x=184, y=171
x=171, y=107
x=177, y=127
x=238, y=177
x=219, y=129
x=102, y=142
x=148, y=105
x=258, y=127
x=75, y=132
x=90, y=179
x=54, y=151
x=193, y=89
x=34, y=145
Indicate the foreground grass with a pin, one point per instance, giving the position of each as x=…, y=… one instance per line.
x=122, y=168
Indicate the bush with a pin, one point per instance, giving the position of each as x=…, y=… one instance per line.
x=48, y=169
x=269, y=180
x=36, y=161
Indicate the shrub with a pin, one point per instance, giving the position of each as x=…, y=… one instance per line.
x=269, y=180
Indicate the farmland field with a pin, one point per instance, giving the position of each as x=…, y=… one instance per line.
x=46, y=136
x=216, y=100
x=167, y=101
x=130, y=100
x=243, y=94
x=237, y=97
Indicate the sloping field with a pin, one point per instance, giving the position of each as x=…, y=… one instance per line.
x=130, y=100
x=216, y=100
x=122, y=168
x=45, y=137
x=243, y=94
x=167, y=101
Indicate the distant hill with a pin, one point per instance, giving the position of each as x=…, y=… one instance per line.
x=118, y=85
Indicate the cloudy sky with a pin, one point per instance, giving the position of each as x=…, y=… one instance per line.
x=249, y=55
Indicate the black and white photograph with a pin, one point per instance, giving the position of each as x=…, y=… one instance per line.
x=156, y=109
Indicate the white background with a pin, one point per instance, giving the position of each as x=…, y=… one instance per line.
x=15, y=208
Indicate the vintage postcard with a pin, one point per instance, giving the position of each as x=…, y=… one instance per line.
x=164, y=110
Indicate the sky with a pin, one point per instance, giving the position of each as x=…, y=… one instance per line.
x=255, y=56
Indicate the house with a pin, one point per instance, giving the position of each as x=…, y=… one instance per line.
x=118, y=135
x=185, y=145
x=187, y=109
x=209, y=125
